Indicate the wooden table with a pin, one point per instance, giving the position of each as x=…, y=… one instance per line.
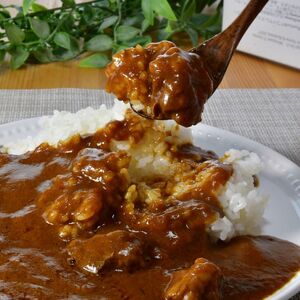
x=245, y=71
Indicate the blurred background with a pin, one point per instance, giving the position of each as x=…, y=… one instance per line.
x=67, y=43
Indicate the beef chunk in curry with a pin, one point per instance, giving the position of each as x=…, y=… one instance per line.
x=201, y=281
x=118, y=249
x=77, y=200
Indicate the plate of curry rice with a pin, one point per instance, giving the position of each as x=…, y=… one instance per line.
x=104, y=204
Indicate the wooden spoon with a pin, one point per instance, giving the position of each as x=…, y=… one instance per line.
x=217, y=52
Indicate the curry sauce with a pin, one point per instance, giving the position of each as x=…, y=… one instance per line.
x=74, y=225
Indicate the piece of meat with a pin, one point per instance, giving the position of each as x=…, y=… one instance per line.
x=98, y=166
x=77, y=209
x=4, y=159
x=194, y=153
x=203, y=181
x=176, y=226
x=201, y=281
x=117, y=250
x=78, y=200
x=108, y=170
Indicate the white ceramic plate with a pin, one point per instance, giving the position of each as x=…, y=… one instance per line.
x=280, y=179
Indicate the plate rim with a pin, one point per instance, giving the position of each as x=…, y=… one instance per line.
x=250, y=141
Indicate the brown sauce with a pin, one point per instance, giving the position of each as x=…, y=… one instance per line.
x=169, y=82
x=67, y=232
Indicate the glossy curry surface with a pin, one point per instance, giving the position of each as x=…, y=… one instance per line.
x=68, y=230
x=161, y=81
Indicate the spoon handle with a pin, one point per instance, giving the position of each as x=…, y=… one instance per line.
x=217, y=51
x=238, y=28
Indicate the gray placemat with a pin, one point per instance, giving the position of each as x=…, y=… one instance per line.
x=269, y=116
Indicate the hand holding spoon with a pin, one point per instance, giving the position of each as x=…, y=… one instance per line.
x=163, y=81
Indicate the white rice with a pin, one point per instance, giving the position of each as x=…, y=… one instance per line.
x=62, y=125
x=242, y=202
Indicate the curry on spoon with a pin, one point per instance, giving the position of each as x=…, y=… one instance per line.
x=163, y=81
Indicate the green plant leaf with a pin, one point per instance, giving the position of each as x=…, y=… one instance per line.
x=198, y=20
x=18, y=57
x=119, y=47
x=14, y=33
x=62, y=54
x=99, y=43
x=43, y=55
x=145, y=25
x=2, y=55
x=101, y=25
x=163, y=35
x=35, y=7
x=4, y=46
x=188, y=10
x=27, y=6
x=125, y=33
x=133, y=21
x=62, y=39
x=68, y=3
x=4, y=14
x=171, y=27
x=148, y=11
x=163, y=8
x=68, y=24
x=211, y=21
x=193, y=34
x=210, y=2
x=75, y=45
x=66, y=55
x=40, y=28
x=30, y=36
x=108, y=22
x=200, y=4
x=97, y=60
x=141, y=40
x=88, y=14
